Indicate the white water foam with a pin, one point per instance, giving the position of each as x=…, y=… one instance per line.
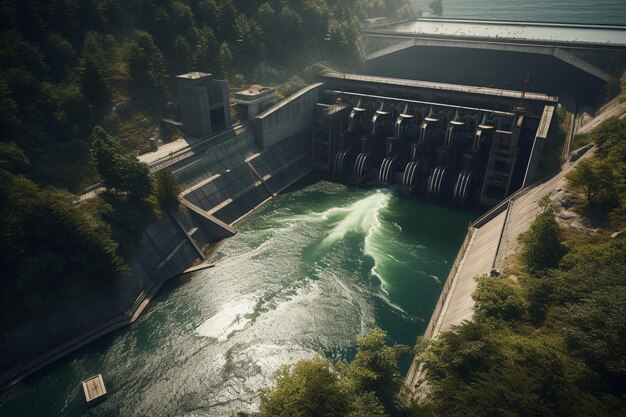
x=230, y=319
x=362, y=217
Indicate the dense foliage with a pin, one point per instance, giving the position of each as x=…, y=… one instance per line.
x=542, y=248
x=51, y=250
x=368, y=386
x=603, y=179
x=118, y=170
x=167, y=190
x=65, y=63
x=571, y=364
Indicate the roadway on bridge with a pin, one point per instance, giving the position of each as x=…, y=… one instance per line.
x=510, y=31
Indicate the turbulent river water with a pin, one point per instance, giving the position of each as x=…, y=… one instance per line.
x=306, y=274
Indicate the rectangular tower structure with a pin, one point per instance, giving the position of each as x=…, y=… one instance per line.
x=204, y=105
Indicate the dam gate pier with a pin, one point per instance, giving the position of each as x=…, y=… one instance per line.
x=449, y=143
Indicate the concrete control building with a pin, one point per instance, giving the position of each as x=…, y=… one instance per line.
x=204, y=106
x=254, y=100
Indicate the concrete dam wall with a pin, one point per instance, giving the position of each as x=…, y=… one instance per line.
x=459, y=144
x=233, y=193
x=255, y=164
x=231, y=176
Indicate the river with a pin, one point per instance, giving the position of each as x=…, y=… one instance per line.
x=306, y=274
x=607, y=12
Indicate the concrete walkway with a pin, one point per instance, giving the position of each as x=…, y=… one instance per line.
x=166, y=150
x=478, y=260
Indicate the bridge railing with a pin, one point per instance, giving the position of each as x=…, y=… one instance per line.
x=386, y=24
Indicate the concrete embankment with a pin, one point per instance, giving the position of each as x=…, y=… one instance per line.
x=224, y=179
x=235, y=191
x=489, y=240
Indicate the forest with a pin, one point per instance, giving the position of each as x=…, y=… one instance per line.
x=68, y=65
x=83, y=84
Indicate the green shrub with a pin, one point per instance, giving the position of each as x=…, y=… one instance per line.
x=541, y=244
x=499, y=298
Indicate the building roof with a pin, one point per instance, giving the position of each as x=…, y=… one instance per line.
x=551, y=33
x=254, y=90
x=194, y=75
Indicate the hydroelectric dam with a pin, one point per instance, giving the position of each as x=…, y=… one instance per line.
x=337, y=209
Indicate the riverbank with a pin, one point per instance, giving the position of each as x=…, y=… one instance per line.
x=489, y=241
x=302, y=275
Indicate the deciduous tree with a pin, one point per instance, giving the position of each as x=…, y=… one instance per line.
x=499, y=298
x=595, y=178
x=310, y=389
x=541, y=244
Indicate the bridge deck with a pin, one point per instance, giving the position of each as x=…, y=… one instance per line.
x=545, y=33
x=431, y=85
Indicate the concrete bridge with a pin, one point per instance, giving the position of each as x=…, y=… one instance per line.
x=597, y=50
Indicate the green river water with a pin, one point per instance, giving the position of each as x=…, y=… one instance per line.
x=307, y=273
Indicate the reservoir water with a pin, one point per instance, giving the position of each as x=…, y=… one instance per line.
x=306, y=274
x=607, y=12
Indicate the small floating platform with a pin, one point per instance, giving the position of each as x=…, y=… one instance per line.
x=95, y=391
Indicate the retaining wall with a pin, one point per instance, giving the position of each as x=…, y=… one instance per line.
x=231, y=149
x=287, y=118
x=233, y=193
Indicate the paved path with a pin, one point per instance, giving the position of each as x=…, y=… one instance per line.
x=165, y=150
x=478, y=260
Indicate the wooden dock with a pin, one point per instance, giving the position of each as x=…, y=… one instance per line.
x=95, y=391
